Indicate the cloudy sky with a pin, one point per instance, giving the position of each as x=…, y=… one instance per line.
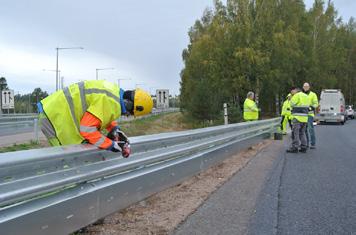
x=142, y=40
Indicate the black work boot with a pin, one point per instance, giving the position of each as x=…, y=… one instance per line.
x=292, y=150
x=303, y=150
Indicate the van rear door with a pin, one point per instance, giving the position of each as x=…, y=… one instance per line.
x=330, y=102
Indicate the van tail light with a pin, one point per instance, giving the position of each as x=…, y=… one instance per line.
x=342, y=109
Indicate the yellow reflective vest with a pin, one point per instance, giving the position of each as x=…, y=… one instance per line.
x=286, y=109
x=313, y=99
x=65, y=108
x=300, y=107
x=250, y=110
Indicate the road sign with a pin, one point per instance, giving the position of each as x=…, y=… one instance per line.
x=7, y=99
x=162, y=96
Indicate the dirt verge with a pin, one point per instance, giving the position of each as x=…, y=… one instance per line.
x=164, y=211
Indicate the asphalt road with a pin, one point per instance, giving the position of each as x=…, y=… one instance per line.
x=279, y=193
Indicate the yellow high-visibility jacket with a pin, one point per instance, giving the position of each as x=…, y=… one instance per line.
x=65, y=108
x=300, y=107
x=286, y=109
x=250, y=110
x=313, y=99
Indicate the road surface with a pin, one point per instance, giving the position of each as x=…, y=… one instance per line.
x=279, y=193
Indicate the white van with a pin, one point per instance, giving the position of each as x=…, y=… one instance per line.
x=332, y=106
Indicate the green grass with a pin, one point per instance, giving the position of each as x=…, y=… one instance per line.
x=155, y=124
x=18, y=147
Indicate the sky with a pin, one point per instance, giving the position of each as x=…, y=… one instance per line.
x=141, y=40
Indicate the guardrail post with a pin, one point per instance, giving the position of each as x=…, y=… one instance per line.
x=35, y=127
x=226, y=118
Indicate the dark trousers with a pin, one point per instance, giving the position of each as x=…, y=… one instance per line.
x=299, y=138
x=310, y=132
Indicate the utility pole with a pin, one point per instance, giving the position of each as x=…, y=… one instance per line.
x=57, y=71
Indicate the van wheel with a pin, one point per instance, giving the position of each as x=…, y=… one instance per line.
x=342, y=123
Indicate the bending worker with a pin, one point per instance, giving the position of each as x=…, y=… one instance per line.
x=313, y=99
x=286, y=115
x=79, y=113
x=300, y=108
x=250, y=108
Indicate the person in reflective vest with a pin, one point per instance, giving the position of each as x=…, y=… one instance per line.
x=81, y=112
x=300, y=109
x=250, y=108
x=286, y=115
x=313, y=99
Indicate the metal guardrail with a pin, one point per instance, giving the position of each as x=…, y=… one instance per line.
x=17, y=114
x=17, y=125
x=154, y=113
x=59, y=190
x=14, y=124
x=13, y=119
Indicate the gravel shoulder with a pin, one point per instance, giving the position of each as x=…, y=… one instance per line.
x=164, y=211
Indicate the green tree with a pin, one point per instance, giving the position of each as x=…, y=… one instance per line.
x=266, y=46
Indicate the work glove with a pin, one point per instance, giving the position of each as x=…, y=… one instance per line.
x=115, y=147
x=121, y=142
x=117, y=135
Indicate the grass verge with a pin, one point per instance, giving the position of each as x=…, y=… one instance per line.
x=18, y=147
x=156, y=124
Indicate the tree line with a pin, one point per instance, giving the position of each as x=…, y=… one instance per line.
x=265, y=46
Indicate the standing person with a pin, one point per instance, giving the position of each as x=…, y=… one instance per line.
x=300, y=108
x=313, y=99
x=79, y=113
x=286, y=115
x=250, y=108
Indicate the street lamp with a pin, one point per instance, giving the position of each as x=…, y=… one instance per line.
x=63, y=48
x=97, y=71
x=53, y=70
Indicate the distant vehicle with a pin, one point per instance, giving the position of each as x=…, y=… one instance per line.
x=332, y=107
x=350, y=112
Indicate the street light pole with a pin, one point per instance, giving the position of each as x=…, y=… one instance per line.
x=57, y=71
x=98, y=69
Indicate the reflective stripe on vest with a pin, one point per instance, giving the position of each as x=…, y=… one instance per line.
x=71, y=105
x=300, y=110
x=82, y=96
x=99, y=91
x=88, y=129
x=100, y=141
